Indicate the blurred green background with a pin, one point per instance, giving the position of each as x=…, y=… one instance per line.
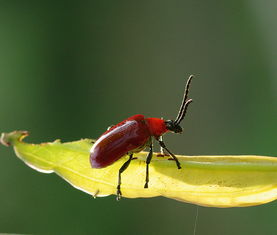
x=70, y=69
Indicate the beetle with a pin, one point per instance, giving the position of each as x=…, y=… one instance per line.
x=134, y=134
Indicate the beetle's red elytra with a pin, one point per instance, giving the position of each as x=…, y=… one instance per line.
x=133, y=135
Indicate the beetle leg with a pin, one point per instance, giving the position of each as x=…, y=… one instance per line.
x=161, y=148
x=171, y=154
x=110, y=127
x=123, y=168
x=162, y=153
x=148, y=160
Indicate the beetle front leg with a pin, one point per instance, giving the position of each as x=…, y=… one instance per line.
x=161, y=148
x=148, y=160
x=171, y=154
x=123, y=168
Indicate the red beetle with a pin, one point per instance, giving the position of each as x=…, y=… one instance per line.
x=133, y=135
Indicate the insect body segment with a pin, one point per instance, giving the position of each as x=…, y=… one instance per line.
x=133, y=135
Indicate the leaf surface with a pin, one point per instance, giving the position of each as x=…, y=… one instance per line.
x=215, y=181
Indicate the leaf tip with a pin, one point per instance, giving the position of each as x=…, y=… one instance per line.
x=8, y=139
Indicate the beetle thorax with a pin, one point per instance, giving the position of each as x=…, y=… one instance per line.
x=156, y=126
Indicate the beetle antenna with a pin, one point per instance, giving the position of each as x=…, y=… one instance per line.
x=185, y=103
x=184, y=112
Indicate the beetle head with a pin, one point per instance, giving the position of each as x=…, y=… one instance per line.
x=173, y=126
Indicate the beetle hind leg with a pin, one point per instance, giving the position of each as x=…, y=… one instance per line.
x=123, y=168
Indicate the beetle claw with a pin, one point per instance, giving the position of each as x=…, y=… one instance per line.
x=118, y=197
x=118, y=193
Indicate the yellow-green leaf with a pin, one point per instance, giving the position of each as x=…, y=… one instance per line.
x=216, y=181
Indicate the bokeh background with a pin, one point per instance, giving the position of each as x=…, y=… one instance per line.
x=70, y=69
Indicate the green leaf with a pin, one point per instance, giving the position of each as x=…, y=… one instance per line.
x=215, y=181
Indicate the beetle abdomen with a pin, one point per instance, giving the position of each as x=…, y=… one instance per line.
x=128, y=136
